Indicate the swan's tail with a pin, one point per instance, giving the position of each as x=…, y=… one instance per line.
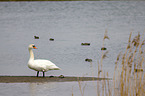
x=54, y=68
x=57, y=68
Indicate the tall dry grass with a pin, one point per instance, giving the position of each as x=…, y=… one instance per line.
x=129, y=77
x=132, y=78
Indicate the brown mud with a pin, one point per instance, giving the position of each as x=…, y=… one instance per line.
x=31, y=79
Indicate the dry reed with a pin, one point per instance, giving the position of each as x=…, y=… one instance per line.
x=129, y=78
x=131, y=83
x=81, y=86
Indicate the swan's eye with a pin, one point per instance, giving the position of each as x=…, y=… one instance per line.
x=33, y=46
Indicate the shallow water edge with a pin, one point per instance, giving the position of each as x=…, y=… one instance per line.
x=30, y=79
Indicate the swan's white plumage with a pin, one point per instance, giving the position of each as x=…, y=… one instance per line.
x=40, y=64
x=44, y=65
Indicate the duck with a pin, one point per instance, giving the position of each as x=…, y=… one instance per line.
x=36, y=37
x=88, y=60
x=103, y=48
x=87, y=44
x=40, y=65
x=51, y=39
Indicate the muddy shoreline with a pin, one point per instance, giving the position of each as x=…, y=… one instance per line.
x=33, y=79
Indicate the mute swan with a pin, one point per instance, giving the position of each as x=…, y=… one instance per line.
x=40, y=64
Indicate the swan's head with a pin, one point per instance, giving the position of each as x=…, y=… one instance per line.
x=32, y=46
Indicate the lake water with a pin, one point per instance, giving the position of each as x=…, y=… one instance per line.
x=70, y=23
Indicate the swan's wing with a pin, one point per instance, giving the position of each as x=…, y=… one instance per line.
x=45, y=64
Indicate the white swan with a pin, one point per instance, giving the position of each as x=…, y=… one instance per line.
x=40, y=64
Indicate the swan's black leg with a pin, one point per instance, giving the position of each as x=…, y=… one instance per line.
x=37, y=73
x=43, y=74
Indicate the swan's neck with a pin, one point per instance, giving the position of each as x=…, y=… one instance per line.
x=31, y=54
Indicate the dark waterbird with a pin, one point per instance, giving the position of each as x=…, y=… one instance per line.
x=86, y=44
x=36, y=37
x=88, y=60
x=51, y=39
x=103, y=48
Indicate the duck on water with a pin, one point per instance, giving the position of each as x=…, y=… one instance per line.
x=40, y=65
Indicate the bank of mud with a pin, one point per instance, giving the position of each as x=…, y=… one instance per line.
x=31, y=79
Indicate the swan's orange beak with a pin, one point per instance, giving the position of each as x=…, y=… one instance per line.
x=34, y=47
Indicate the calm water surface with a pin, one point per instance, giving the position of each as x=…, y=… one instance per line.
x=70, y=24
